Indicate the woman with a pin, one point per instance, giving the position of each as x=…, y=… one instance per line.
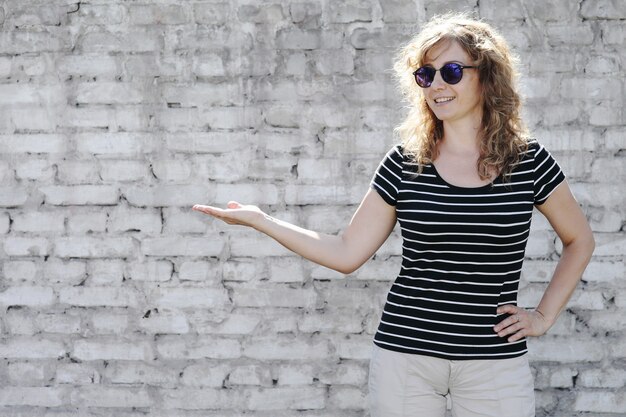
x=462, y=184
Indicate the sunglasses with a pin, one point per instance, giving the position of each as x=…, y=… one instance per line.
x=450, y=72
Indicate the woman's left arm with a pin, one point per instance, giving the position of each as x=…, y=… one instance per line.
x=570, y=224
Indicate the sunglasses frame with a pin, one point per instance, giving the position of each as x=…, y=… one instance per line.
x=443, y=77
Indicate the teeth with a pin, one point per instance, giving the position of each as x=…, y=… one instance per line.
x=443, y=99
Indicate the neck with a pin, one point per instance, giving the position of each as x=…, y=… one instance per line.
x=461, y=137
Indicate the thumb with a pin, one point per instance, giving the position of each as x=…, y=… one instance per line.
x=233, y=205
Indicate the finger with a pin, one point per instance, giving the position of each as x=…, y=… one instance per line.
x=507, y=308
x=517, y=336
x=509, y=329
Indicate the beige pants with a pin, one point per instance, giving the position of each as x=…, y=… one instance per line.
x=411, y=385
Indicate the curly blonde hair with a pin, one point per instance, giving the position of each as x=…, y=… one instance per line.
x=503, y=133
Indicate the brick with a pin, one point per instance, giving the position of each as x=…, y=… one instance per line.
x=395, y=11
x=606, y=114
x=615, y=139
x=113, y=397
x=212, y=13
x=274, y=297
x=26, y=347
x=599, y=271
x=200, y=399
x=123, y=171
x=116, y=144
x=39, y=222
x=19, y=321
x=347, y=398
x=555, y=349
x=80, y=195
x=607, y=320
x=25, y=246
x=159, y=271
x=255, y=193
x=234, y=324
x=298, y=39
x=283, y=270
x=184, y=220
x=5, y=223
x=171, y=170
x=292, y=398
x=285, y=348
x=266, y=14
x=170, y=14
x=330, y=322
x=102, y=41
x=602, y=378
x=91, y=247
x=28, y=94
x=209, y=65
x=188, y=298
x=344, y=374
x=590, y=88
x=87, y=223
x=352, y=346
x=258, y=247
x=141, y=373
x=295, y=63
x=227, y=168
x=194, y=271
x=203, y=94
x=65, y=324
x=110, y=323
x=76, y=373
x=20, y=271
x=78, y=172
x=186, y=347
x=612, y=32
x=88, y=65
x=130, y=219
x=23, y=41
x=357, y=11
x=231, y=118
x=610, y=244
x=12, y=197
x=164, y=322
x=600, y=402
x=34, y=396
x=181, y=246
x=205, y=375
x=167, y=195
x=103, y=272
x=303, y=12
x=27, y=296
x=20, y=372
x=94, y=349
x=603, y=10
x=559, y=34
x=99, y=296
x=250, y=375
x=40, y=170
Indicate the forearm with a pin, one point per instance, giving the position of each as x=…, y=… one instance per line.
x=567, y=274
x=323, y=249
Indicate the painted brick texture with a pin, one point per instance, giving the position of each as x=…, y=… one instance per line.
x=117, y=116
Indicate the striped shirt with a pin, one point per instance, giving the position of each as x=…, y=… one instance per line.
x=462, y=255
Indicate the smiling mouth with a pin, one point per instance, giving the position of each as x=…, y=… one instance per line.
x=443, y=99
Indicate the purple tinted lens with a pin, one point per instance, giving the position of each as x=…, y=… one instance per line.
x=451, y=73
x=424, y=76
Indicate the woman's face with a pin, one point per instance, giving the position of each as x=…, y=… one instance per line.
x=453, y=102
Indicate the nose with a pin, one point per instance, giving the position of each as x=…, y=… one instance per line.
x=438, y=82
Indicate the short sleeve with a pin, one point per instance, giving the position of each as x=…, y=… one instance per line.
x=547, y=174
x=388, y=175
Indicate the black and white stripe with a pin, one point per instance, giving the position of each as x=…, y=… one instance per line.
x=463, y=250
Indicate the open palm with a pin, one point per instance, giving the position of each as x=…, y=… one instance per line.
x=235, y=213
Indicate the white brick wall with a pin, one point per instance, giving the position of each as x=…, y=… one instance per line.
x=116, y=117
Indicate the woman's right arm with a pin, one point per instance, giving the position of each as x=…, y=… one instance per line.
x=371, y=225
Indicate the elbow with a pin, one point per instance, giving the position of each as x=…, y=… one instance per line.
x=349, y=267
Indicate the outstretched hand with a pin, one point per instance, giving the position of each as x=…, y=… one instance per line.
x=245, y=215
x=521, y=323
